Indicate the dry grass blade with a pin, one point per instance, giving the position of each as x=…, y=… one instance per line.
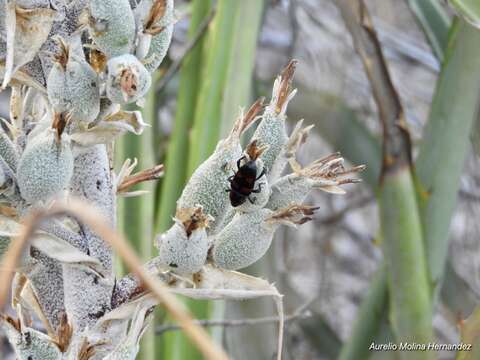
x=396, y=139
x=92, y=218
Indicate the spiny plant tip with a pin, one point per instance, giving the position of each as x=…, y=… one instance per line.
x=15, y=323
x=157, y=11
x=297, y=214
x=192, y=219
x=61, y=57
x=64, y=333
x=286, y=78
x=247, y=119
x=254, y=151
x=59, y=123
x=97, y=60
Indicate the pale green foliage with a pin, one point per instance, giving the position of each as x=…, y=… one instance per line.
x=112, y=26
x=182, y=250
x=156, y=45
x=31, y=344
x=208, y=183
x=74, y=89
x=45, y=168
x=8, y=151
x=244, y=240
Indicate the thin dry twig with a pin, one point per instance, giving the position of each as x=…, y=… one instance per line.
x=175, y=66
x=299, y=314
x=396, y=139
x=92, y=218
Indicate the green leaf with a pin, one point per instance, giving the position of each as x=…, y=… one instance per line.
x=445, y=142
x=469, y=10
x=410, y=310
x=207, y=121
x=435, y=23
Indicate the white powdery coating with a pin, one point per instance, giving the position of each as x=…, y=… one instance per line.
x=47, y=283
x=75, y=90
x=45, y=168
x=182, y=254
x=8, y=151
x=271, y=132
x=32, y=345
x=92, y=181
x=113, y=30
x=116, y=67
x=290, y=189
x=243, y=241
x=208, y=184
x=87, y=295
x=33, y=4
x=161, y=42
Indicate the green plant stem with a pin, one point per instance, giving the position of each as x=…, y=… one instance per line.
x=242, y=61
x=369, y=319
x=207, y=120
x=136, y=215
x=434, y=22
x=177, y=150
x=411, y=313
x=176, y=166
x=445, y=143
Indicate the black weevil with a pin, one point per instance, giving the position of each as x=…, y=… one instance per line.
x=242, y=183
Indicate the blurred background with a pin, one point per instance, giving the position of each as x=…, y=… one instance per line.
x=225, y=54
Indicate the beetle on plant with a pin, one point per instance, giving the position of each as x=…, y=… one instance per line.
x=242, y=183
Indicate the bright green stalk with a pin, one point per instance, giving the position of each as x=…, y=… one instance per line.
x=444, y=146
x=176, y=164
x=205, y=134
x=136, y=216
x=469, y=10
x=207, y=121
x=242, y=61
x=177, y=150
x=369, y=319
x=435, y=23
x=410, y=311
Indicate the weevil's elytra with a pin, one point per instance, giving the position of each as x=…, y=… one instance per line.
x=242, y=183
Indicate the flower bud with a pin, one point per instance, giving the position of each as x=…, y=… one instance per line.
x=156, y=18
x=271, y=130
x=184, y=247
x=128, y=80
x=72, y=87
x=45, y=167
x=208, y=185
x=248, y=236
x=112, y=26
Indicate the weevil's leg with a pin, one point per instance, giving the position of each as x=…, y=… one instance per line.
x=230, y=178
x=256, y=191
x=252, y=201
x=261, y=174
x=213, y=283
x=239, y=161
